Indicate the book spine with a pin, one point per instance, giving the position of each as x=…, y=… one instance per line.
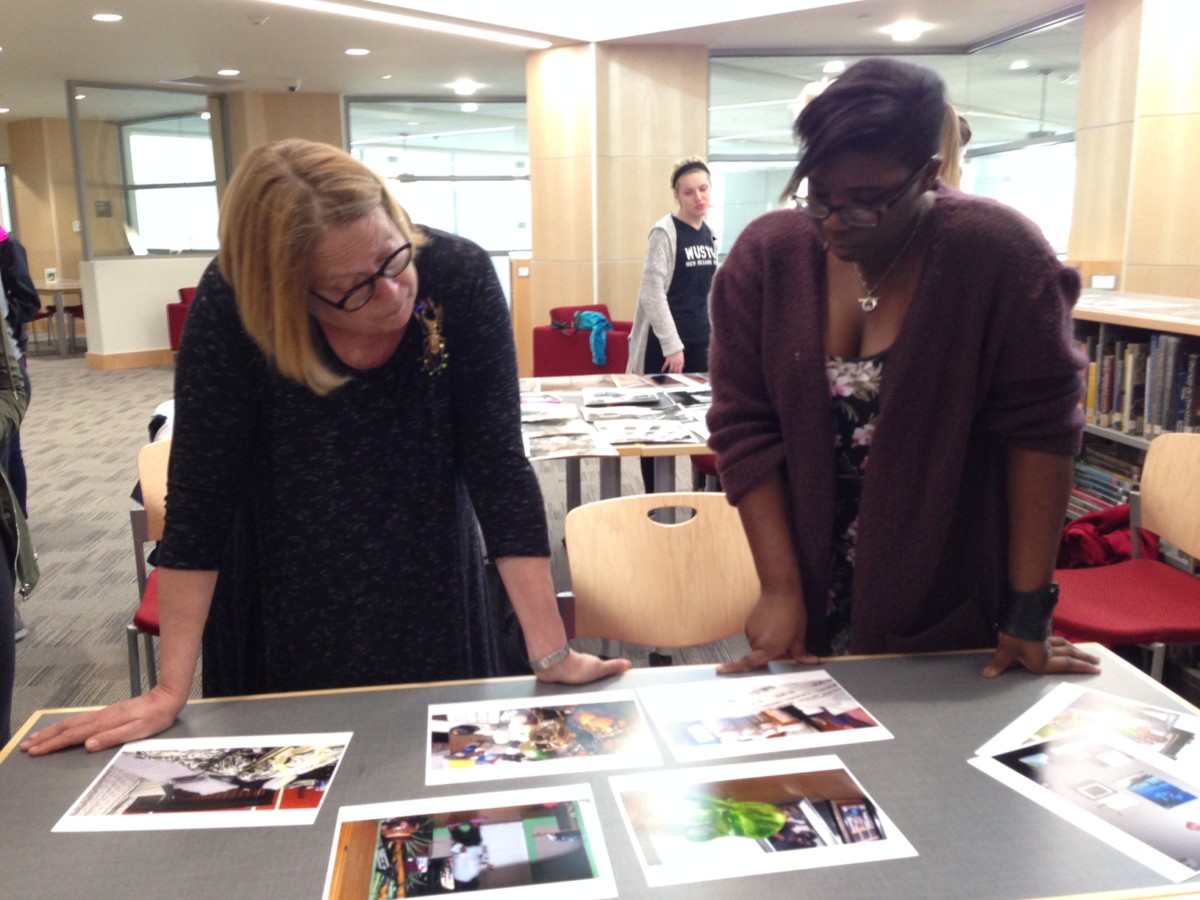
x=1092, y=393
x=1107, y=375
x=1152, y=386
x=1192, y=400
x=1135, y=388
x=1118, y=398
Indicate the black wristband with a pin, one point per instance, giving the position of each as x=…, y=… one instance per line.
x=1026, y=615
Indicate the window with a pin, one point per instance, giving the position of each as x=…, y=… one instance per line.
x=170, y=183
x=466, y=172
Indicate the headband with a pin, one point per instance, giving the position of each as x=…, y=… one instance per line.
x=684, y=169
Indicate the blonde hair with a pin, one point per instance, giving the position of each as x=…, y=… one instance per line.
x=281, y=201
x=690, y=164
x=952, y=147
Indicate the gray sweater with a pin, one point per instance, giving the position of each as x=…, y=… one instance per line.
x=984, y=361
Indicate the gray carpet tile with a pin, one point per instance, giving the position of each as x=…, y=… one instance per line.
x=80, y=439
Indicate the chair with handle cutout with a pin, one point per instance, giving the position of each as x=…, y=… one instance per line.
x=643, y=581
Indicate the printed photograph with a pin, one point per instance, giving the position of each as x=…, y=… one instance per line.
x=731, y=821
x=576, y=733
x=1070, y=707
x=210, y=783
x=537, y=843
x=760, y=714
x=1115, y=789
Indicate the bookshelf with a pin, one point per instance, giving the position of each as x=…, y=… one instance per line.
x=1107, y=323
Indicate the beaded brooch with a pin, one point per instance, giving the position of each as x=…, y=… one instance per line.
x=429, y=315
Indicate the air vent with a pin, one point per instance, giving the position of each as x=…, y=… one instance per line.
x=201, y=81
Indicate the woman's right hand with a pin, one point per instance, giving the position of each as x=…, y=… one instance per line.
x=776, y=628
x=130, y=720
x=673, y=363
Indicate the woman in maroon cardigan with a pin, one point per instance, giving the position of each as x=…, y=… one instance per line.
x=895, y=397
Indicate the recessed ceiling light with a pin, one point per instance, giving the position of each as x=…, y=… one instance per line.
x=834, y=67
x=206, y=115
x=1018, y=64
x=905, y=30
x=464, y=87
x=81, y=96
x=106, y=17
x=385, y=77
x=357, y=51
x=470, y=107
x=4, y=109
x=229, y=73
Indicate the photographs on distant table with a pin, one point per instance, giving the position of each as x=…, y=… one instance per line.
x=544, y=842
x=1124, y=793
x=758, y=714
x=698, y=824
x=224, y=782
x=1071, y=707
x=565, y=734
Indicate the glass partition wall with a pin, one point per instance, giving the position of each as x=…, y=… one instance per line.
x=149, y=165
x=1019, y=98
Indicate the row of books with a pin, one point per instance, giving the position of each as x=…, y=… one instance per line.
x=1141, y=384
x=1104, y=477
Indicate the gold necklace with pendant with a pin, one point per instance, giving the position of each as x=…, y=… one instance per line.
x=870, y=300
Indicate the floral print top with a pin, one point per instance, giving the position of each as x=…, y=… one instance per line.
x=854, y=391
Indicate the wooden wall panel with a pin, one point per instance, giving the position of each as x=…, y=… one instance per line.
x=1108, y=72
x=618, y=286
x=564, y=214
x=1163, y=192
x=1169, y=78
x=560, y=90
x=652, y=101
x=1167, y=281
x=1102, y=175
x=634, y=193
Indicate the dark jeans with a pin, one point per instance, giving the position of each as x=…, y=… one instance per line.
x=695, y=359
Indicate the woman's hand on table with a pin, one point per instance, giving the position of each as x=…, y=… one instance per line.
x=1053, y=656
x=130, y=720
x=580, y=668
x=776, y=629
x=673, y=363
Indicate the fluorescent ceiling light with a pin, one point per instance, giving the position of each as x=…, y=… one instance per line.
x=357, y=51
x=229, y=73
x=905, y=30
x=464, y=87
x=371, y=15
x=615, y=19
x=1018, y=64
x=106, y=17
x=469, y=107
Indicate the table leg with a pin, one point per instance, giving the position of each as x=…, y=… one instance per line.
x=60, y=320
x=664, y=481
x=574, y=484
x=610, y=477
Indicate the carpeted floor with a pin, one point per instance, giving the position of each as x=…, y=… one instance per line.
x=80, y=439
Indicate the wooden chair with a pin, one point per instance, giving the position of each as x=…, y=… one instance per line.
x=146, y=522
x=640, y=580
x=1144, y=601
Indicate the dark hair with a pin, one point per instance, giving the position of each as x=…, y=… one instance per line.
x=877, y=105
x=687, y=165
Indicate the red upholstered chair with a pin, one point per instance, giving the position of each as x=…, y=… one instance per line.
x=563, y=351
x=147, y=524
x=1143, y=601
x=177, y=314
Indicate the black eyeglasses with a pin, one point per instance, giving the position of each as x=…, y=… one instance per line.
x=856, y=215
x=360, y=295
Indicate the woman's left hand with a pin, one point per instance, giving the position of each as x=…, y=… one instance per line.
x=1052, y=656
x=580, y=668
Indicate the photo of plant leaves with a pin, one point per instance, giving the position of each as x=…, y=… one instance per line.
x=729, y=821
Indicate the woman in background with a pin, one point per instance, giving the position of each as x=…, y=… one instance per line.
x=347, y=424
x=895, y=397
x=671, y=326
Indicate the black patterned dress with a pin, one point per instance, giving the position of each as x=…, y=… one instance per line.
x=854, y=392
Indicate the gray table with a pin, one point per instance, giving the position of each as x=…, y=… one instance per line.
x=975, y=837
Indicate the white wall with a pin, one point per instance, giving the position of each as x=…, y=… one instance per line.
x=125, y=300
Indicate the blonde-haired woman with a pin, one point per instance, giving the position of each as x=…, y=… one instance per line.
x=347, y=411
